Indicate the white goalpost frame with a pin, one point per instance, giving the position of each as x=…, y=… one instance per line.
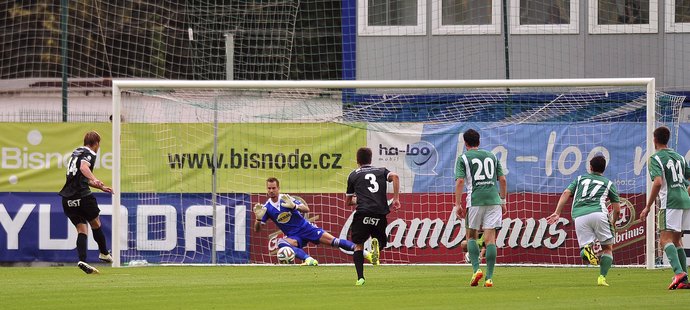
x=125, y=85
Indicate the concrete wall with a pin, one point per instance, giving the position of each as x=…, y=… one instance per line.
x=665, y=56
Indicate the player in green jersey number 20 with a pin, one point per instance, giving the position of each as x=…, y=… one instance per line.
x=486, y=202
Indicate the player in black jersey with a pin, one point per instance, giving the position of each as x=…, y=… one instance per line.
x=78, y=202
x=366, y=188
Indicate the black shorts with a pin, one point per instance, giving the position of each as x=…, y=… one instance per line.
x=366, y=225
x=80, y=210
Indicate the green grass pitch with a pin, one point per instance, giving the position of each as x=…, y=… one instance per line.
x=332, y=287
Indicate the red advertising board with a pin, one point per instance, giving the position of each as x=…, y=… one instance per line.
x=426, y=230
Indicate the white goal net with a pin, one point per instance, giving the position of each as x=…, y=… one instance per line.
x=194, y=158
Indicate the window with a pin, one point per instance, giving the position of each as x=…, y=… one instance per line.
x=677, y=16
x=623, y=16
x=544, y=16
x=391, y=17
x=466, y=17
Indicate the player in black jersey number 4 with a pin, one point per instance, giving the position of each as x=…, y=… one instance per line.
x=369, y=185
x=78, y=202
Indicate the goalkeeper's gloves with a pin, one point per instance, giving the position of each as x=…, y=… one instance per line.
x=300, y=201
x=259, y=211
x=287, y=202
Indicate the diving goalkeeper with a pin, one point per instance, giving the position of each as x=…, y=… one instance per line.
x=286, y=213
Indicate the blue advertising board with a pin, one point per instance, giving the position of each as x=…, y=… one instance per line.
x=540, y=158
x=162, y=228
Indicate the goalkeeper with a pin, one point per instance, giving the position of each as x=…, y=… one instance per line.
x=286, y=213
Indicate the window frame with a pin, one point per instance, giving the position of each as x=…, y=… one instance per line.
x=437, y=27
x=671, y=25
x=651, y=27
x=572, y=28
x=363, y=28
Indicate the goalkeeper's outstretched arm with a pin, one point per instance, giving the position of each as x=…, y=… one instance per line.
x=294, y=203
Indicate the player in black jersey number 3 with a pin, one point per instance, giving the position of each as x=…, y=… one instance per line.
x=78, y=202
x=366, y=188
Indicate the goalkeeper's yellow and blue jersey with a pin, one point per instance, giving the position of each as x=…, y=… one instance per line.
x=673, y=170
x=289, y=221
x=481, y=170
x=590, y=192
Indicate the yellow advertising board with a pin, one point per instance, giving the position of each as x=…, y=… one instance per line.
x=34, y=156
x=178, y=158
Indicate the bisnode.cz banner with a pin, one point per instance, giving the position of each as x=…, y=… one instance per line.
x=176, y=158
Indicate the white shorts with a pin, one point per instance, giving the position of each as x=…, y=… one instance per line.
x=675, y=220
x=594, y=226
x=484, y=217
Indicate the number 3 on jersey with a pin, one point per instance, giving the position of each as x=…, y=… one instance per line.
x=372, y=180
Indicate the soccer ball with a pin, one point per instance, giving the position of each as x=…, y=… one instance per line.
x=286, y=255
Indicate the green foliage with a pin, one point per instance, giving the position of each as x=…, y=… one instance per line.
x=274, y=40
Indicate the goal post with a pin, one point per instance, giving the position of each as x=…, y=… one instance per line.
x=190, y=158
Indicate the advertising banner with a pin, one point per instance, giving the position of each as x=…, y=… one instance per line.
x=34, y=156
x=176, y=228
x=427, y=230
x=309, y=157
x=178, y=158
x=170, y=220
x=170, y=228
x=536, y=158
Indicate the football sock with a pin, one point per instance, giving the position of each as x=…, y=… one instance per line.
x=490, y=260
x=81, y=246
x=672, y=254
x=605, y=264
x=100, y=240
x=299, y=253
x=343, y=244
x=473, y=249
x=682, y=259
x=358, y=259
